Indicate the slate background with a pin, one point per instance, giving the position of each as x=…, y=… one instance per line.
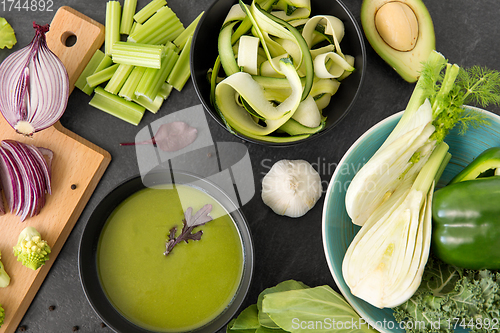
x=467, y=33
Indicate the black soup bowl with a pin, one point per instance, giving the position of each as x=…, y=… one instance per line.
x=89, y=244
x=204, y=53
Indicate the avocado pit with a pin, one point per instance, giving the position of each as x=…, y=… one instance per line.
x=397, y=25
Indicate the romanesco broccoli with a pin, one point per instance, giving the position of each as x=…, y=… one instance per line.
x=4, y=277
x=2, y=315
x=30, y=249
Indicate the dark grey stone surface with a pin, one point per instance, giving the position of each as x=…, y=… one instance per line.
x=467, y=32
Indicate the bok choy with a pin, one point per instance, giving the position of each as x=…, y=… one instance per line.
x=384, y=263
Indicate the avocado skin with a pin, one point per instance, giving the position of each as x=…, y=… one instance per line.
x=407, y=64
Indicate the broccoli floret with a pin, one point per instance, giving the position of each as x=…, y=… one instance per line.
x=4, y=277
x=2, y=315
x=30, y=249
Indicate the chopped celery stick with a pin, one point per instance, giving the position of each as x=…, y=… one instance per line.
x=117, y=106
x=128, y=89
x=165, y=90
x=180, y=41
x=142, y=55
x=112, y=28
x=153, y=106
x=170, y=34
x=181, y=71
x=153, y=79
x=101, y=76
x=159, y=28
x=148, y=10
x=171, y=46
x=118, y=79
x=129, y=7
x=90, y=69
x=135, y=25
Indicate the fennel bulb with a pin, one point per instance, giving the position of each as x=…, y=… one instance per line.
x=391, y=196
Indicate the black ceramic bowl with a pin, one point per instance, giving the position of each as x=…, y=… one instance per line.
x=204, y=52
x=87, y=257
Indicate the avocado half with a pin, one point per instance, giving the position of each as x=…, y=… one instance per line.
x=401, y=32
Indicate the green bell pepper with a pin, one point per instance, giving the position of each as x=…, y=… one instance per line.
x=466, y=216
x=487, y=160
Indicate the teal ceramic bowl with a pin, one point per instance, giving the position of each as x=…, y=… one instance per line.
x=338, y=230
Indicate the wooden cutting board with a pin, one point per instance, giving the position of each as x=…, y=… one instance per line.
x=76, y=162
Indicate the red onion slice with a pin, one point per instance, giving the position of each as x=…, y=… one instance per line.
x=25, y=177
x=35, y=86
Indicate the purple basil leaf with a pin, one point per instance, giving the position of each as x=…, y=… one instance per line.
x=200, y=218
x=189, y=223
x=196, y=236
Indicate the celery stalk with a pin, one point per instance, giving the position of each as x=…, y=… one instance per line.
x=163, y=26
x=129, y=7
x=152, y=106
x=90, y=69
x=165, y=90
x=148, y=10
x=118, y=79
x=171, y=46
x=117, y=106
x=181, y=71
x=142, y=55
x=135, y=26
x=112, y=32
x=181, y=40
x=128, y=89
x=153, y=79
x=101, y=76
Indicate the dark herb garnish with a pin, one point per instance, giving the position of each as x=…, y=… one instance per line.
x=189, y=223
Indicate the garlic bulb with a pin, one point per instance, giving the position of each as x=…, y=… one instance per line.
x=291, y=188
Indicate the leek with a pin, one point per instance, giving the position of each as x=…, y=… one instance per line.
x=391, y=195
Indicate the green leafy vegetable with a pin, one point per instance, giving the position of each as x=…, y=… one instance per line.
x=30, y=249
x=189, y=223
x=291, y=306
x=7, y=35
x=450, y=298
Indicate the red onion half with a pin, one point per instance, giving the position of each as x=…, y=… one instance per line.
x=24, y=177
x=35, y=86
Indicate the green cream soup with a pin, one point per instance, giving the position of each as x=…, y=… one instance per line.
x=181, y=291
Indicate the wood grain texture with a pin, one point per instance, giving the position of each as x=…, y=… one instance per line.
x=76, y=161
x=89, y=37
